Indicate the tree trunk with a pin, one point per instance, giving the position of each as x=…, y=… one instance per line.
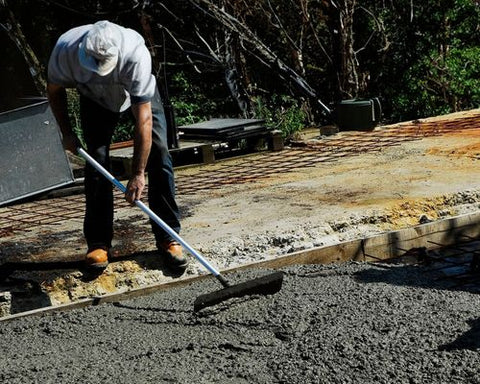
x=232, y=75
x=14, y=32
x=344, y=60
x=160, y=73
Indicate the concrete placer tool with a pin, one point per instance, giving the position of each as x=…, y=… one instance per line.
x=265, y=285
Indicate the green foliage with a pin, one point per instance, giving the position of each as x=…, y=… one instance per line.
x=281, y=112
x=432, y=63
x=123, y=131
x=439, y=83
x=73, y=100
x=189, y=101
x=463, y=77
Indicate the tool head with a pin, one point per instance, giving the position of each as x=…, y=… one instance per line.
x=265, y=285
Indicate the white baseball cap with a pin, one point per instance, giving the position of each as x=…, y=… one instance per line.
x=98, y=51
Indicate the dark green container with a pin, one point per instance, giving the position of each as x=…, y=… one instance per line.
x=358, y=114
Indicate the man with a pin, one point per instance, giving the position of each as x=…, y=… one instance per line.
x=110, y=66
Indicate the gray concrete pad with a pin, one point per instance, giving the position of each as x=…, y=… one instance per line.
x=345, y=323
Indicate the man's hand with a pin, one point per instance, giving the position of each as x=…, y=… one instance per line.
x=135, y=188
x=71, y=143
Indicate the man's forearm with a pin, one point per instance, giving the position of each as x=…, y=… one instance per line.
x=141, y=150
x=143, y=137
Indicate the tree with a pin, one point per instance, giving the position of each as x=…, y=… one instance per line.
x=14, y=31
x=431, y=64
x=221, y=56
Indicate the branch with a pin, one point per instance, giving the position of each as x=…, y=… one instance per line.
x=380, y=28
x=257, y=45
x=14, y=32
x=210, y=50
x=180, y=47
x=281, y=27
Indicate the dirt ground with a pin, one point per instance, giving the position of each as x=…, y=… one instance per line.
x=353, y=197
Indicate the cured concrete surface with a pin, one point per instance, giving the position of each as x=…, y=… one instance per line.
x=351, y=323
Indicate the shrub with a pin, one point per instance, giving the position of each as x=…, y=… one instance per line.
x=123, y=131
x=281, y=112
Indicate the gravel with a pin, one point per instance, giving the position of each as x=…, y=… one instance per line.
x=350, y=323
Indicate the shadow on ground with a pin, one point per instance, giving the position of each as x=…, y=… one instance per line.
x=406, y=275
x=469, y=340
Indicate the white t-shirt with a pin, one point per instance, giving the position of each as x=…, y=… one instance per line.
x=130, y=82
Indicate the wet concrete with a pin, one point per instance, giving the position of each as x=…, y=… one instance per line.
x=351, y=323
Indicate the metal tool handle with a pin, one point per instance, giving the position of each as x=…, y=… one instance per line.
x=153, y=216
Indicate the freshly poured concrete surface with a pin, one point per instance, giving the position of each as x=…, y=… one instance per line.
x=351, y=323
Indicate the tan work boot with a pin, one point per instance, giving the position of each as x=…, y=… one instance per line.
x=97, y=258
x=172, y=254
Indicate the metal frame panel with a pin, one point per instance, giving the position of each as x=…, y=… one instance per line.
x=32, y=158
